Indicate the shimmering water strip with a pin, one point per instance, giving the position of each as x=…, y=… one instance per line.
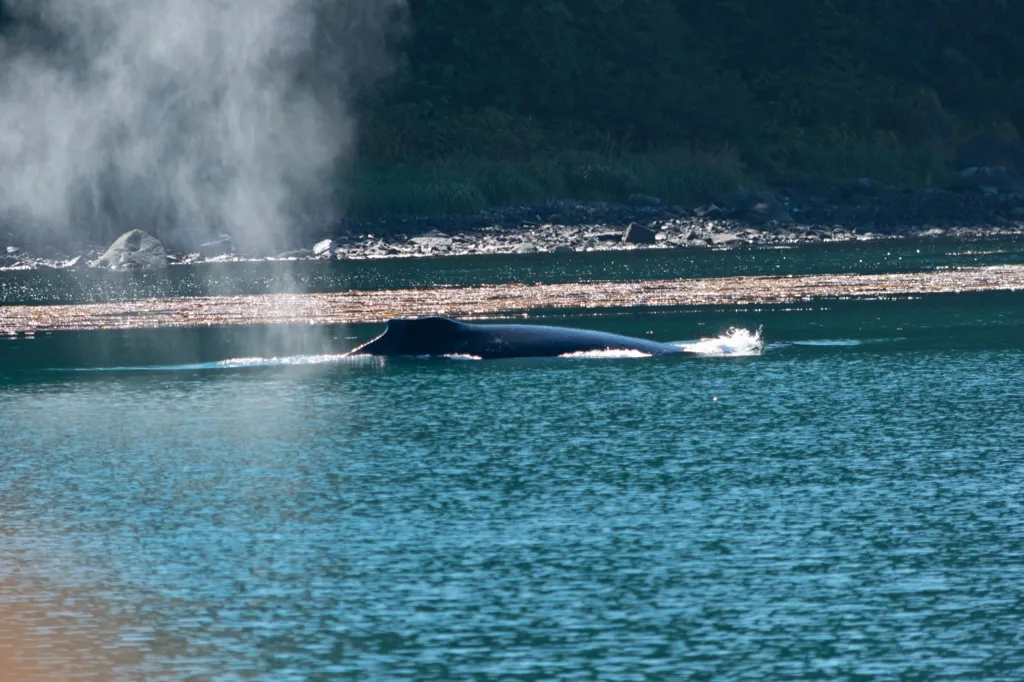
x=377, y=306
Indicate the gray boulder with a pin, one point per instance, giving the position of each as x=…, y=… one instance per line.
x=324, y=249
x=134, y=250
x=638, y=234
x=725, y=238
x=526, y=247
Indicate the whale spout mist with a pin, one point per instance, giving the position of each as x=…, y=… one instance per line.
x=185, y=118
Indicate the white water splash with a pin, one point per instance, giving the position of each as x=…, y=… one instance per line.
x=606, y=354
x=733, y=343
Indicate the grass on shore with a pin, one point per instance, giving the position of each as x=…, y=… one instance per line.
x=465, y=185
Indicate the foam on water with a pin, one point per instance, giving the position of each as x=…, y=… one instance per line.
x=829, y=342
x=606, y=354
x=733, y=343
x=234, y=363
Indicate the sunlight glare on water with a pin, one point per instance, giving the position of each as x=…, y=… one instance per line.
x=843, y=502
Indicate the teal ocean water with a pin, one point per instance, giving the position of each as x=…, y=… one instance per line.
x=843, y=499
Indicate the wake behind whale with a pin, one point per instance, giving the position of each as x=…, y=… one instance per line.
x=513, y=340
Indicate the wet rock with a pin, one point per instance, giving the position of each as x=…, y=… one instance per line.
x=222, y=246
x=524, y=248
x=324, y=249
x=638, y=234
x=134, y=250
x=564, y=249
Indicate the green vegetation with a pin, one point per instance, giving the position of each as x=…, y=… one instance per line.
x=498, y=101
x=509, y=101
x=463, y=184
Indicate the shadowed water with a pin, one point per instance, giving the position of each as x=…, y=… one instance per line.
x=847, y=504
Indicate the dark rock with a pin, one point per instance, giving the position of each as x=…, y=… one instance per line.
x=643, y=201
x=710, y=212
x=863, y=187
x=769, y=211
x=564, y=249
x=738, y=201
x=989, y=181
x=134, y=250
x=638, y=234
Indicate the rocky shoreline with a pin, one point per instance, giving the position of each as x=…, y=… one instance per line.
x=985, y=202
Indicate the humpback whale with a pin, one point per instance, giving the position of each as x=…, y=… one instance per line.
x=442, y=336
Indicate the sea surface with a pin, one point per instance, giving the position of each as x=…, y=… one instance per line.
x=826, y=490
